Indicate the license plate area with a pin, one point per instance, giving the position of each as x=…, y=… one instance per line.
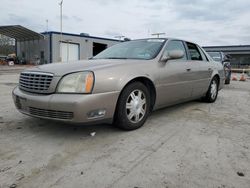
x=20, y=102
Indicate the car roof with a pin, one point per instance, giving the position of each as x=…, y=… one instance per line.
x=166, y=38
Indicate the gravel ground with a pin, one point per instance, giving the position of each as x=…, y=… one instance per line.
x=188, y=145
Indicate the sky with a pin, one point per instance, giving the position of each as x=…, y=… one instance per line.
x=206, y=22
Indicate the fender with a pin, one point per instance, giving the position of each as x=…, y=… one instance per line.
x=125, y=79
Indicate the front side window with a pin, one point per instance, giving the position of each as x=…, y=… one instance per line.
x=137, y=49
x=194, y=52
x=176, y=45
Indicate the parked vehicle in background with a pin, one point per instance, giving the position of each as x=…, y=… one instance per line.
x=3, y=57
x=225, y=61
x=10, y=60
x=122, y=84
x=3, y=60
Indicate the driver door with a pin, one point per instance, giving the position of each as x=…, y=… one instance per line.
x=175, y=85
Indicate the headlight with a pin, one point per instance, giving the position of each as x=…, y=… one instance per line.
x=79, y=82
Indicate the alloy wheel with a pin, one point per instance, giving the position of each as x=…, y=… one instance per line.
x=136, y=106
x=213, y=89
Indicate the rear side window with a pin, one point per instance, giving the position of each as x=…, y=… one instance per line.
x=216, y=56
x=176, y=45
x=194, y=52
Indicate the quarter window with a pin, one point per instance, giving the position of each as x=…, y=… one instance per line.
x=176, y=45
x=194, y=52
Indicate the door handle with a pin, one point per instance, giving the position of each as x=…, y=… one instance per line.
x=188, y=69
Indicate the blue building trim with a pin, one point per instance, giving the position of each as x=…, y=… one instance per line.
x=76, y=35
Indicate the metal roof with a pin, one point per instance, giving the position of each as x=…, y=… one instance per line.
x=20, y=33
x=237, y=49
x=79, y=35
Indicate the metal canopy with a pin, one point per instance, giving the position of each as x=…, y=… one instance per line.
x=20, y=33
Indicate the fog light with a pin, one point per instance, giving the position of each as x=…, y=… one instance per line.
x=96, y=113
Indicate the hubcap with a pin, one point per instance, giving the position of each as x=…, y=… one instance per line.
x=136, y=106
x=213, y=90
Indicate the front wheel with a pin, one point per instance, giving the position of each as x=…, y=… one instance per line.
x=212, y=92
x=133, y=106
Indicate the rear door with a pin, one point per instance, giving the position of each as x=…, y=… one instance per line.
x=200, y=69
x=206, y=68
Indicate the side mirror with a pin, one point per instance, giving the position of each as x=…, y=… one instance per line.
x=172, y=54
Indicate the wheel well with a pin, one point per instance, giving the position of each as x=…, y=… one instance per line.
x=151, y=88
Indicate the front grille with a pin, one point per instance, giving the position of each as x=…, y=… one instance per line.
x=51, y=113
x=36, y=82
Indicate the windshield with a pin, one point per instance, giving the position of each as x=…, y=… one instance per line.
x=137, y=49
x=215, y=55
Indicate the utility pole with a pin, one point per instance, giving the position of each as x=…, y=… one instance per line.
x=157, y=34
x=47, y=25
x=61, y=4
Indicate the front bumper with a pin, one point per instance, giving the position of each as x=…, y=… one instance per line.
x=75, y=108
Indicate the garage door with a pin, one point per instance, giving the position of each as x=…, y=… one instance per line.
x=70, y=52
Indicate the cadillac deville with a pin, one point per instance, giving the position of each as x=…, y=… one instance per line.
x=120, y=85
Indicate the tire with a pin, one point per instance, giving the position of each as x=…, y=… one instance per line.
x=133, y=107
x=212, y=92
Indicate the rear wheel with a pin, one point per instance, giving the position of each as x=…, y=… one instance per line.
x=212, y=92
x=133, y=106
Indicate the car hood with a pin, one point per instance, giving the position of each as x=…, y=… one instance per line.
x=59, y=69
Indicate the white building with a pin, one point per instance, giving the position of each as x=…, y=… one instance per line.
x=48, y=47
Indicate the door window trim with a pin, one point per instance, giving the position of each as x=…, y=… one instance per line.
x=189, y=55
x=204, y=57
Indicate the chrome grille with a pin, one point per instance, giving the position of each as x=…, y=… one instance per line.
x=50, y=113
x=37, y=82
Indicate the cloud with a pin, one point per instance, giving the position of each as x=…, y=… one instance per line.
x=77, y=19
x=207, y=22
x=14, y=19
x=112, y=34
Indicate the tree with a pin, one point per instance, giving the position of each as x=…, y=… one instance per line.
x=7, y=45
